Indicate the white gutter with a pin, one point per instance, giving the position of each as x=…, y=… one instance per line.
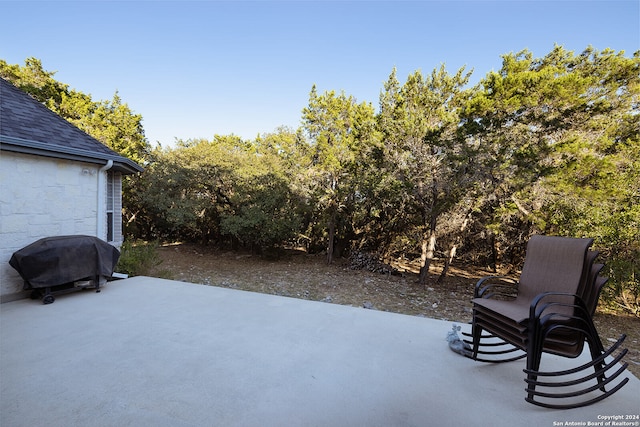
x=25, y=146
x=102, y=196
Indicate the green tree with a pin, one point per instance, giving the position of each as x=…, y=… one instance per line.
x=116, y=126
x=186, y=189
x=423, y=150
x=35, y=80
x=338, y=128
x=593, y=189
x=265, y=212
x=516, y=118
x=557, y=140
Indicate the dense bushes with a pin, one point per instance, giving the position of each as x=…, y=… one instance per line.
x=138, y=258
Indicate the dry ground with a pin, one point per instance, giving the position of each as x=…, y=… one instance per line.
x=299, y=275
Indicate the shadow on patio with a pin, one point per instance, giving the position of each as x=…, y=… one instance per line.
x=153, y=352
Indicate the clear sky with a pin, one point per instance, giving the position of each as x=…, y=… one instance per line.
x=196, y=69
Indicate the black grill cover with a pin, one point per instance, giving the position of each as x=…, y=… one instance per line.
x=59, y=260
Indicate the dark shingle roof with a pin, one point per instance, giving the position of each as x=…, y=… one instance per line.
x=27, y=126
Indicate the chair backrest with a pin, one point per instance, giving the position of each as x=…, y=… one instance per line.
x=554, y=264
x=589, y=274
x=570, y=343
x=591, y=298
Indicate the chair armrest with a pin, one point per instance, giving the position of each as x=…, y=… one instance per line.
x=491, y=286
x=539, y=305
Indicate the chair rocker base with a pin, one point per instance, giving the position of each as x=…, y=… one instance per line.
x=585, y=385
x=492, y=349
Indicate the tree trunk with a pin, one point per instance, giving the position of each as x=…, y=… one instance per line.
x=452, y=251
x=428, y=249
x=333, y=219
x=447, y=263
x=332, y=235
x=494, y=253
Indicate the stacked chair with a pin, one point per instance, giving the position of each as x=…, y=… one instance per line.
x=549, y=310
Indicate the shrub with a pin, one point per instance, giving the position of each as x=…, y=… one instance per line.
x=137, y=258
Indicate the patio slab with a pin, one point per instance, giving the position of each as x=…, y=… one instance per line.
x=153, y=352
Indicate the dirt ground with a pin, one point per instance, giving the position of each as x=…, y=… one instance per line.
x=299, y=275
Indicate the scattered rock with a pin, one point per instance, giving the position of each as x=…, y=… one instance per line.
x=368, y=305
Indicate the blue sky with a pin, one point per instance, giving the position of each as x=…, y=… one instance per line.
x=196, y=69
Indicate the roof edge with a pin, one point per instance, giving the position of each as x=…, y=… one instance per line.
x=24, y=146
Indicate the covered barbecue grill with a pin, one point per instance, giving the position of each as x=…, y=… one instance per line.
x=63, y=263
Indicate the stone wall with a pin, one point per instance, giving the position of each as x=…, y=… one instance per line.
x=41, y=197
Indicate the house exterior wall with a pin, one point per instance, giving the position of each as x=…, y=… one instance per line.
x=42, y=197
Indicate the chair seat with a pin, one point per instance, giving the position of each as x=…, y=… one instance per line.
x=492, y=319
x=510, y=321
x=516, y=311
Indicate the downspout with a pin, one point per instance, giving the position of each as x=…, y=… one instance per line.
x=102, y=215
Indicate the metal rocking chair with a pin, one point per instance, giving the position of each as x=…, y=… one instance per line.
x=549, y=310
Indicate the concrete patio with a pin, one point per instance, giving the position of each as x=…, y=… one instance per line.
x=152, y=352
